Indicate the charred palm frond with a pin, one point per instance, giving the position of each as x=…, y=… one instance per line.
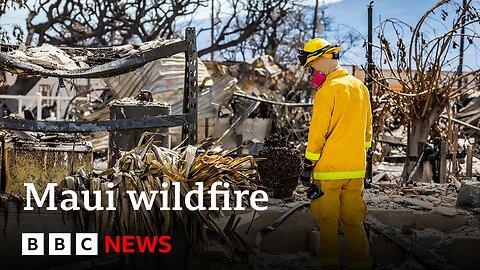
x=145, y=168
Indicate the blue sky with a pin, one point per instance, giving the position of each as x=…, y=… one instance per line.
x=352, y=13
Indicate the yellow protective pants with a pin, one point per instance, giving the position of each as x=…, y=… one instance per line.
x=343, y=201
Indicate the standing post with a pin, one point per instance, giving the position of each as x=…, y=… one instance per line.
x=206, y=127
x=370, y=64
x=239, y=138
x=454, y=149
x=469, y=166
x=418, y=174
x=315, y=19
x=369, y=80
x=462, y=44
x=443, y=161
x=213, y=31
x=190, y=95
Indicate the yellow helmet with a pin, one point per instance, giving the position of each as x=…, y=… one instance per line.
x=315, y=48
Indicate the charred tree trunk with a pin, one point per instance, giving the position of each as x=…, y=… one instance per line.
x=418, y=137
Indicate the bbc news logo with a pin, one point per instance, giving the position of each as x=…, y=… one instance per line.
x=59, y=244
x=87, y=244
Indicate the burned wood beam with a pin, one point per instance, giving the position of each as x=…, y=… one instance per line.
x=287, y=104
x=93, y=126
x=390, y=140
x=456, y=121
x=113, y=68
x=424, y=256
x=395, y=159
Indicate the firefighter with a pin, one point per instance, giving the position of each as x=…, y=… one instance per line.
x=335, y=158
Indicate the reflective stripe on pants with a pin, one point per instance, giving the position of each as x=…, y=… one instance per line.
x=343, y=201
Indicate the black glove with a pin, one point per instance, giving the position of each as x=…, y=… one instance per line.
x=305, y=177
x=306, y=174
x=314, y=192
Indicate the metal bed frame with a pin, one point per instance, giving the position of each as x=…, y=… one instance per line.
x=188, y=119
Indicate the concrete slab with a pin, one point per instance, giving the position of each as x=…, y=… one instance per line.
x=298, y=234
x=420, y=220
x=462, y=250
x=290, y=237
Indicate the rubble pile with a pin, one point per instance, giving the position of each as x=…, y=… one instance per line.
x=470, y=112
x=267, y=81
x=458, y=198
x=65, y=58
x=422, y=197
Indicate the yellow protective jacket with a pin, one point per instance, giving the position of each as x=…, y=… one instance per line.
x=340, y=129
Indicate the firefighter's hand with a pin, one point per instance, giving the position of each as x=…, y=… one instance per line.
x=305, y=176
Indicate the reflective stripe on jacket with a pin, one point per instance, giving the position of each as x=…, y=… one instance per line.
x=340, y=129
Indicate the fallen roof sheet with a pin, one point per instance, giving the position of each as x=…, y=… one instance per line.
x=160, y=76
x=208, y=100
